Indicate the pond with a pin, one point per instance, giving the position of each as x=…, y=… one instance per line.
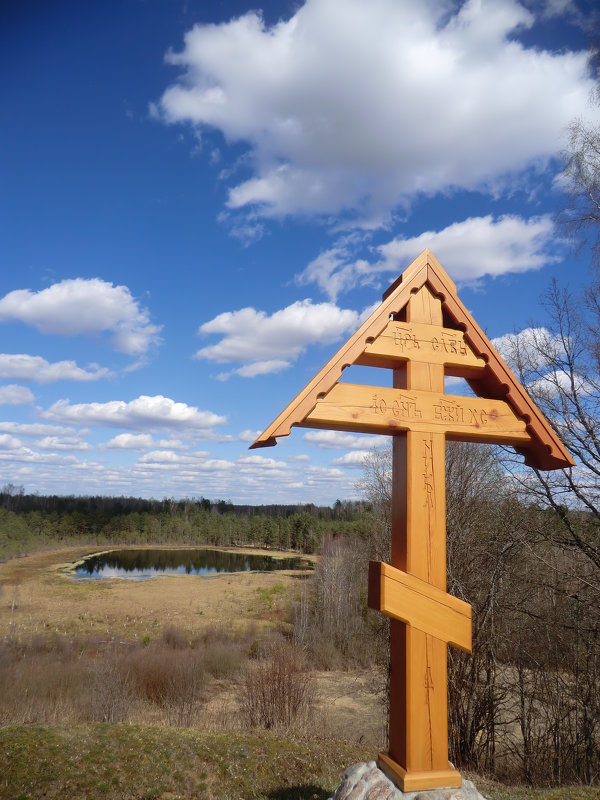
x=150, y=562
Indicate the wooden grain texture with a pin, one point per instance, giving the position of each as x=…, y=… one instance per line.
x=418, y=726
x=433, y=344
x=373, y=409
x=414, y=781
x=543, y=449
x=411, y=600
x=412, y=278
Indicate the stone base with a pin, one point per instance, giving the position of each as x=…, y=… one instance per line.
x=367, y=782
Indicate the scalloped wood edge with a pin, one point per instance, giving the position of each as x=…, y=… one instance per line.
x=544, y=449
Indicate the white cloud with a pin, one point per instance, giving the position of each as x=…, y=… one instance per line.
x=36, y=429
x=269, y=367
x=162, y=473
x=84, y=306
x=143, y=413
x=540, y=357
x=270, y=343
x=482, y=246
x=355, y=458
x=170, y=457
x=336, y=440
x=324, y=472
x=130, y=441
x=468, y=250
x=260, y=461
x=23, y=367
x=14, y=395
x=458, y=101
x=9, y=442
x=173, y=444
x=527, y=347
x=63, y=443
x=302, y=458
x=13, y=452
x=248, y=435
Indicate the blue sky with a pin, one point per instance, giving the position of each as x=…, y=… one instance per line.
x=199, y=201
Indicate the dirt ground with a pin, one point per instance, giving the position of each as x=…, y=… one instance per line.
x=38, y=596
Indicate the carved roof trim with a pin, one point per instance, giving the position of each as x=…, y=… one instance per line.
x=546, y=451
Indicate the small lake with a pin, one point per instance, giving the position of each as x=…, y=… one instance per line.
x=149, y=562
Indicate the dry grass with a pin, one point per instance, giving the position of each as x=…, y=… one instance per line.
x=105, y=631
x=39, y=597
x=168, y=653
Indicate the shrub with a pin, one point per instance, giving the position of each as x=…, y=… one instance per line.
x=277, y=691
x=175, y=637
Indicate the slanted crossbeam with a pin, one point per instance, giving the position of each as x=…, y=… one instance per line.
x=408, y=599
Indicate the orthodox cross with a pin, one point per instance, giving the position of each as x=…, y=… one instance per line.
x=422, y=332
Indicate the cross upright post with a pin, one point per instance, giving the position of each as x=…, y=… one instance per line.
x=418, y=712
x=421, y=332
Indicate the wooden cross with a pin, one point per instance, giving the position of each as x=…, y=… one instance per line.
x=422, y=332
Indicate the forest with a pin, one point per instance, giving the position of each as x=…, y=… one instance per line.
x=28, y=522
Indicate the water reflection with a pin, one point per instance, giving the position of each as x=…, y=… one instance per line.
x=147, y=563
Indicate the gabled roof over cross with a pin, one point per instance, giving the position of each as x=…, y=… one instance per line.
x=487, y=374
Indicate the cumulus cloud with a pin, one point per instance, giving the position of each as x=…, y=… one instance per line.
x=171, y=457
x=469, y=250
x=12, y=451
x=337, y=440
x=36, y=429
x=23, y=367
x=352, y=459
x=459, y=101
x=270, y=343
x=268, y=367
x=14, y=395
x=144, y=413
x=539, y=356
x=130, y=441
x=527, y=348
x=141, y=441
x=260, y=461
x=248, y=435
x=63, y=443
x=9, y=442
x=84, y=306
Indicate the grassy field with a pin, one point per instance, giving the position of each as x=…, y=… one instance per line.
x=64, y=634
x=131, y=761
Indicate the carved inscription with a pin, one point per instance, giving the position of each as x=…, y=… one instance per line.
x=422, y=342
x=428, y=486
x=453, y=412
x=406, y=408
x=449, y=343
x=405, y=340
x=429, y=678
x=351, y=407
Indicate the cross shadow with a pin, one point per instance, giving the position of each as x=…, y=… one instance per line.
x=302, y=792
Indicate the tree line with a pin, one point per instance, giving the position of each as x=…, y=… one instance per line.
x=31, y=521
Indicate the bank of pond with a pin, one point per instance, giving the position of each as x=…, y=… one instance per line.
x=143, y=563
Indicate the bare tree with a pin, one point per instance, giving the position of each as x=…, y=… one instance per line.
x=560, y=366
x=581, y=178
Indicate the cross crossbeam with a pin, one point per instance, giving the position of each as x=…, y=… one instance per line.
x=406, y=598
